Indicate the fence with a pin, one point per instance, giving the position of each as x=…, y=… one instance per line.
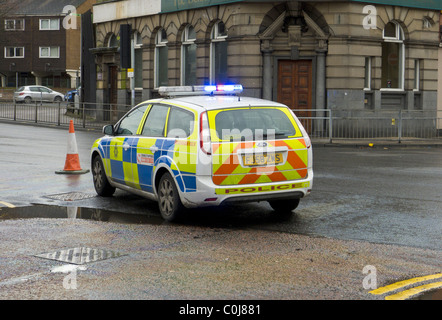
x=324, y=124
x=396, y=125
x=87, y=115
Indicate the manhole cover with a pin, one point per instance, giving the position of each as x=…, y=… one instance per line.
x=70, y=196
x=80, y=255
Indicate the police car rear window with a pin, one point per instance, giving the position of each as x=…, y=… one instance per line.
x=253, y=124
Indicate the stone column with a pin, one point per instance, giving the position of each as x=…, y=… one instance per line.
x=320, y=90
x=267, y=71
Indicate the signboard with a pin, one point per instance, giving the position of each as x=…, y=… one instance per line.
x=130, y=72
x=178, y=5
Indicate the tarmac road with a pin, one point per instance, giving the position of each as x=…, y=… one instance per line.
x=382, y=212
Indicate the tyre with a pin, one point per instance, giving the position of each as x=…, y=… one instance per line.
x=58, y=99
x=284, y=206
x=169, y=201
x=28, y=100
x=101, y=184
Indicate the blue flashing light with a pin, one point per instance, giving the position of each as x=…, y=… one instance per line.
x=228, y=88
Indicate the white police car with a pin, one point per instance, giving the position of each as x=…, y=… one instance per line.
x=204, y=146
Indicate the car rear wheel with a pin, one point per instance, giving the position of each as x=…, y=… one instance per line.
x=284, y=206
x=169, y=201
x=101, y=184
x=28, y=100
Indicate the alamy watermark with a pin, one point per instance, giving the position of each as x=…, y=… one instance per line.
x=370, y=20
x=70, y=21
x=370, y=281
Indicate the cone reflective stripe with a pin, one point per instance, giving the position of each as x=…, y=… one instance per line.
x=72, y=164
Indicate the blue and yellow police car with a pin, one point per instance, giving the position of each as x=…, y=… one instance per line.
x=204, y=146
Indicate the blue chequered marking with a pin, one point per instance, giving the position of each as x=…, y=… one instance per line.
x=117, y=171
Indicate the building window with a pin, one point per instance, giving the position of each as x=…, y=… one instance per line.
x=161, y=59
x=14, y=52
x=218, y=54
x=393, y=57
x=188, y=57
x=367, y=78
x=14, y=24
x=113, y=41
x=417, y=74
x=49, y=24
x=49, y=52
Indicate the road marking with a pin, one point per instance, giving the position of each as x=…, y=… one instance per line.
x=414, y=291
x=410, y=292
x=9, y=205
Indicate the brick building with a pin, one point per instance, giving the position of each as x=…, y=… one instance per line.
x=40, y=44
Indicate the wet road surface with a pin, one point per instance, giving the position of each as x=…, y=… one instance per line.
x=388, y=200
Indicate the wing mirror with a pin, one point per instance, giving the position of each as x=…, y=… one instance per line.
x=109, y=130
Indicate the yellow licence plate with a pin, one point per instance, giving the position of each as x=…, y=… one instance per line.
x=262, y=159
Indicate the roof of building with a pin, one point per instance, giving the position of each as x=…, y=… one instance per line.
x=45, y=7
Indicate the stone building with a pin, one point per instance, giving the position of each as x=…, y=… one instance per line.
x=311, y=55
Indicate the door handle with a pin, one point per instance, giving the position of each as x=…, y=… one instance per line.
x=153, y=149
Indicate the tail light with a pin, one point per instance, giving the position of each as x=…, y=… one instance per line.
x=205, y=143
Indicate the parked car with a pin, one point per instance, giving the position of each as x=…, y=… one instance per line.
x=29, y=94
x=70, y=95
x=205, y=150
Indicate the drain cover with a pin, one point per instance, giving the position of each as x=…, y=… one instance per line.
x=71, y=196
x=80, y=255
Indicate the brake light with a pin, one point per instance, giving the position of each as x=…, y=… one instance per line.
x=205, y=144
x=21, y=93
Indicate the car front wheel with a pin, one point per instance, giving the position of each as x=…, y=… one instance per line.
x=168, y=199
x=101, y=184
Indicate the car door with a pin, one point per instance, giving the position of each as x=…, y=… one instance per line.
x=149, y=146
x=119, y=148
x=35, y=93
x=46, y=94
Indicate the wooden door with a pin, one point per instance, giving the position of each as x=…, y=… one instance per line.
x=295, y=88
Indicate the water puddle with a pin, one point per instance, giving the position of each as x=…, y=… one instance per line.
x=61, y=212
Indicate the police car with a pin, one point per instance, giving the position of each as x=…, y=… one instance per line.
x=205, y=146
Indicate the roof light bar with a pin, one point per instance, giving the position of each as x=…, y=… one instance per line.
x=200, y=90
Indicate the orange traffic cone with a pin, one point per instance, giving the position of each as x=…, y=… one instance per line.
x=72, y=164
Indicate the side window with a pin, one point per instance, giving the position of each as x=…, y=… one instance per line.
x=129, y=124
x=156, y=121
x=181, y=123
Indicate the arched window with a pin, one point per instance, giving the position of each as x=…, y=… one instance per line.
x=113, y=41
x=393, y=57
x=161, y=59
x=218, y=54
x=188, y=57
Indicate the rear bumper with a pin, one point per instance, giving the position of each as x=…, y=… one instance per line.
x=209, y=194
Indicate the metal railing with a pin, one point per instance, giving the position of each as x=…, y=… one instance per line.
x=84, y=115
x=321, y=124
x=395, y=125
